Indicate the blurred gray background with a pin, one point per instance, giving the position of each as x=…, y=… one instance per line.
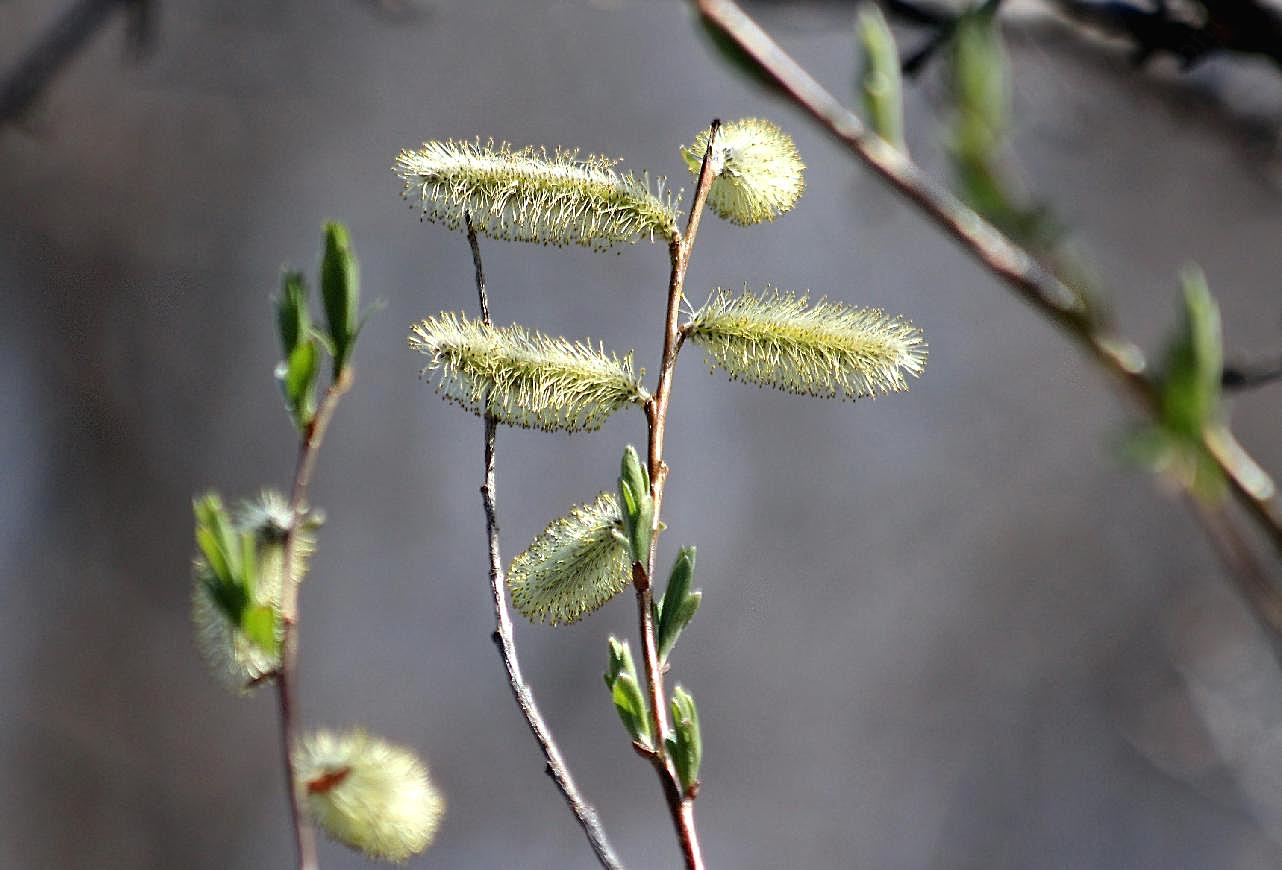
x=945, y=629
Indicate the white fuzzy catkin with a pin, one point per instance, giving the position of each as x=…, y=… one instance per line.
x=825, y=348
x=367, y=793
x=525, y=378
x=577, y=564
x=758, y=172
x=530, y=195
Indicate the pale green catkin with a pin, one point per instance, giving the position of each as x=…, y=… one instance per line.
x=367, y=793
x=758, y=174
x=529, y=195
x=577, y=564
x=524, y=378
x=825, y=349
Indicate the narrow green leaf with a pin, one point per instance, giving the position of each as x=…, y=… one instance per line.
x=298, y=383
x=637, y=507
x=632, y=708
x=678, y=605
x=620, y=662
x=1194, y=361
x=293, y=320
x=259, y=624
x=340, y=292
x=685, y=746
x=880, y=82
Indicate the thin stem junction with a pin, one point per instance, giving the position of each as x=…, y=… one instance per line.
x=503, y=638
x=680, y=804
x=308, y=448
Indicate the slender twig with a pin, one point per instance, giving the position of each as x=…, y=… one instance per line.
x=308, y=448
x=58, y=46
x=680, y=804
x=503, y=638
x=1250, y=484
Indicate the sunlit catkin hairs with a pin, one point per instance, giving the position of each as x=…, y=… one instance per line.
x=525, y=378
x=758, y=173
x=827, y=348
x=529, y=195
x=367, y=793
x=578, y=563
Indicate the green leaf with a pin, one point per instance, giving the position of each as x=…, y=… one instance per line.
x=340, y=292
x=1194, y=362
x=636, y=505
x=880, y=82
x=630, y=704
x=685, y=746
x=298, y=383
x=620, y=662
x=259, y=625
x=679, y=604
x=293, y=321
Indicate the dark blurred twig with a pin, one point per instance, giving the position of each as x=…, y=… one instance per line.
x=68, y=35
x=1189, y=32
x=503, y=639
x=1245, y=375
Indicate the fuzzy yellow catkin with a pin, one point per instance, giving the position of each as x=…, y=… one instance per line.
x=524, y=378
x=758, y=174
x=531, y=195
x=577, y=564
x=234, y=659
x=368, y=794
x=826, y=348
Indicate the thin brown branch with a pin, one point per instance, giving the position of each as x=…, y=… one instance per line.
x=308, y=448
x=503, y=637
x=680, y=805
x=1251, y=486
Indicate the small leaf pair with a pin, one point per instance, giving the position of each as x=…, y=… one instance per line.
x=625, y=689
x=1189, y=388
x=301, y=341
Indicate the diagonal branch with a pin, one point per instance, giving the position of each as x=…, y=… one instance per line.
x=503, y=639
x=1251, y=485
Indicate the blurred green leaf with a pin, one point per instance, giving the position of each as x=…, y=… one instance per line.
x=1194, y=362
x=259, y=625
x=298, y=383
x=340, y=292
x=293, y=320
x=880, y=81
